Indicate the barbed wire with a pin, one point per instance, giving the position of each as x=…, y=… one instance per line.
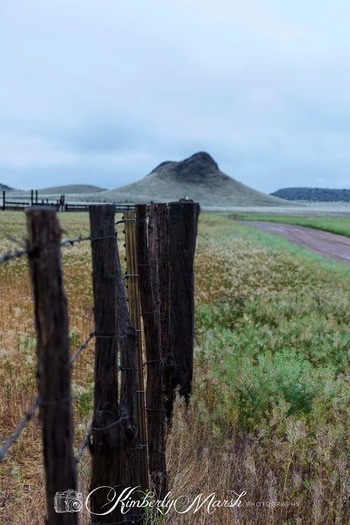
x=12, y=255
x=81, y=348
x=85, y=443
x=18, y=430
x=15, y=254
x=38, y=402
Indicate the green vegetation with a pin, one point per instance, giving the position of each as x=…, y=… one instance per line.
x=272, y=367
x=313, y=194
x=270, y=406
x=340, y=225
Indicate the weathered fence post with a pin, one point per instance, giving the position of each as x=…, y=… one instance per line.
x=135, y=318
x=161, y=229
x=107, y=453
x=147, y=258
x=183, y=219
x=128, y=340
x=53, y=373
x=159, y=252
x=4, y=200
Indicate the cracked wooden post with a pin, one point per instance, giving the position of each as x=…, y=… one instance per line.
x=54, y=372
x=147, y=243
x=107, y=450
x=183, y=219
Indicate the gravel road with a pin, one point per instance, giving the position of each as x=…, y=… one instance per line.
x=327, y=244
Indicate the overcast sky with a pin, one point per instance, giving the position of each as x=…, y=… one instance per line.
x=102, y=91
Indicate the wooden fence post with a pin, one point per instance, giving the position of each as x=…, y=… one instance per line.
x=128, y=340
x=53, y=373
x=183, y=219
x=163, y=257
x=4, y=200
x=147, y=258
x=159, y=252
x=135, y=318
x=107, y=453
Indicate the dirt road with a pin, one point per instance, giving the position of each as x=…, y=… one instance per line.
x=327, y=244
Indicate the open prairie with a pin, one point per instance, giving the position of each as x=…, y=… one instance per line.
x=270, y=405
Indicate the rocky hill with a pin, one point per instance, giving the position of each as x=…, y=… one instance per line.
x=3, y=187
x=198, y=178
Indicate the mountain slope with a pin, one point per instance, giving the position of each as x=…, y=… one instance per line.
x=3, y=187
x=198, y=178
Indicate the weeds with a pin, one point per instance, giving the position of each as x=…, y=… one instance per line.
x=270, y=401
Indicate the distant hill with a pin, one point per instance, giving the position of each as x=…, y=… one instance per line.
x=71, y=188
x=198, y=178
x=3, y=187
x=313, y=194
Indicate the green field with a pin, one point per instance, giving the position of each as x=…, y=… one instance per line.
x=270, y=405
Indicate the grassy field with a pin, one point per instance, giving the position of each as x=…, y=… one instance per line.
x=340, y=225
x=270, y=400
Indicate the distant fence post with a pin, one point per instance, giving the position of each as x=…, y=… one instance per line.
x=107, y=453
x=4, y=200
x=54, y=375
x=183, y=219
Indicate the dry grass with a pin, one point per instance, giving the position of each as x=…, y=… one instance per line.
x=294, y=468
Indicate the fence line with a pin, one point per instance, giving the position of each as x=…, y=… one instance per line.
x=128, y=423
x=59, y=205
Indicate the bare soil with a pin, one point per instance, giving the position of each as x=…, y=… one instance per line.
x=327, y=244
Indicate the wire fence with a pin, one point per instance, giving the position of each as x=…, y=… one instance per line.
x=126, y=432
x=30, y=413
x=28, y=416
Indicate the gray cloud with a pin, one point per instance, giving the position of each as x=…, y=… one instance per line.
x=103, y=92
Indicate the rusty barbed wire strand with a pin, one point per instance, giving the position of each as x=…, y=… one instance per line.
x=20, y=426
x=12, y=255
x=37, y=403
x=85, y=443
x=16, y=254
x=81, y=348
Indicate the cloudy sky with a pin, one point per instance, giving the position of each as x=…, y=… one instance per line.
x=102, y=91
